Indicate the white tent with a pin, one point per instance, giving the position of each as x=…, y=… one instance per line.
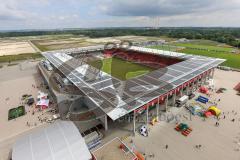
x=42, y=100
x=59, y=141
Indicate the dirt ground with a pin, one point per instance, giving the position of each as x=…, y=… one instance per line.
x=218, y=143
x=221, y=143
x=14, y=82
x=15, y=47
x=56, y=43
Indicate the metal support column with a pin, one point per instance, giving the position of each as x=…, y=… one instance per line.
x=157, y=108
x=202, y=81
x=147, y=115
x=205, y=80
x=134, y=123
x=105, y=123
x=174, y=97
x=213, y=73
x=181, y=92
x=197, y=84
x=188, y=88
x=166, y=103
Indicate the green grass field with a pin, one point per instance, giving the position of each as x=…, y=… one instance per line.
x=206, y=47
x=10, y=58
x=120, y=69
x=16, y=112
x=233, y=60
x=205, y=42
x=209, y=49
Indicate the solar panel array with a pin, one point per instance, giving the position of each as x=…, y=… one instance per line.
x=117, y=98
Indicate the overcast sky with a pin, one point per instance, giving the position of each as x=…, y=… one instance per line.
x=52, y=14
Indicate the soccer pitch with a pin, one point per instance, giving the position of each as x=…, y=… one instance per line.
x=120, y=69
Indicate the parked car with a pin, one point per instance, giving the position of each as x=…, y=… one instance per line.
x=191, y=95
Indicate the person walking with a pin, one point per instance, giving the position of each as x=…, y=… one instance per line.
x=166, y=146
x=199, y=146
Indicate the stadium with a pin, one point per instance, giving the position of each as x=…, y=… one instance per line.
x=112, y=83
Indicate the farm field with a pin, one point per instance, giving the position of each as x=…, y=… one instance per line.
x=64, y=42
x=120, y=69
x=19, y=57
x=29, y=47
x=61, y=43
x=10, y=47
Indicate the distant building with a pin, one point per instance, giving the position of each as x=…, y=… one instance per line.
x=183, y=40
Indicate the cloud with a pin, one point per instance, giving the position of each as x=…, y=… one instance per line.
x=9, y=13
x=161, y=7
x=12, y=10
x=44, y=14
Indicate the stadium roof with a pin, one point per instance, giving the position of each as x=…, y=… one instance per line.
x=117, y=98
x=60, y=141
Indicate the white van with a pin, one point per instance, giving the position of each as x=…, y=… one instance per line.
x=182, y=101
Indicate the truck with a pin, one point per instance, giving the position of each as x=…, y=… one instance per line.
x=182, y=101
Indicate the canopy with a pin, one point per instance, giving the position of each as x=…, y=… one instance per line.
x=42, y=100
x=203, y=89
x=197, y=108
x=214, y=110
x=183, y=126
x=42, y=95
x=59, y=141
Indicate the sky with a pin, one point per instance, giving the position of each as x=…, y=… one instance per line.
x=58, y=14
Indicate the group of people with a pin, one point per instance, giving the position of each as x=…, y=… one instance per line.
x=198, y=146
x=29, y=125
x=224, y=117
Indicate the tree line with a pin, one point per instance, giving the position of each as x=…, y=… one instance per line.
x=230, y=36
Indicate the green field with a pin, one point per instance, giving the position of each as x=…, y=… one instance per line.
x=10, y=58
x=206, y=42
x=233, y=60
x=204, y=47
x=120, y=69
x=16, y=112
x=210, y=49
